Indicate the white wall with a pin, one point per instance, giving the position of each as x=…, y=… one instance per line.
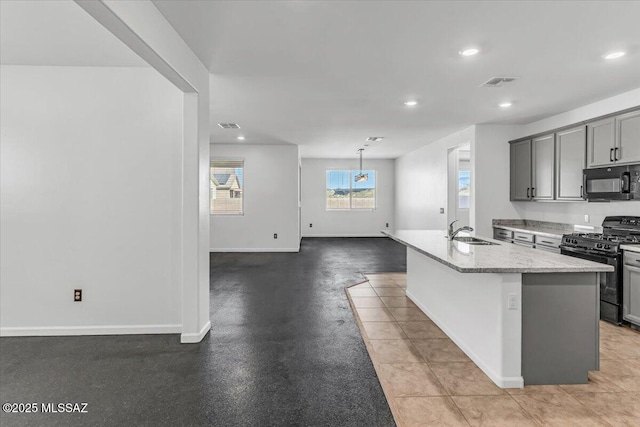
x=90, y=189
x=270, y=201
x=141, y=26
x=345, y=223
x=573, y=212
x=421, y=183
x=490, y=176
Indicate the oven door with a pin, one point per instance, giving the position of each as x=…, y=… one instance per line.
x=610, y=283
x=607, y=183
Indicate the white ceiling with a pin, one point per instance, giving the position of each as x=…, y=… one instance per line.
x=326, y=75
x=58, y=33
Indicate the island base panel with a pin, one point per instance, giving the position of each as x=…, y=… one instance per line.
x=560, y=329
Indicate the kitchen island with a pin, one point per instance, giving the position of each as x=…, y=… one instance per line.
x=523, y=316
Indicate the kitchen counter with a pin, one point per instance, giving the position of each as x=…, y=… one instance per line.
x=523, y=316
x=540, y=228
x=499, y=258
x=630, y=248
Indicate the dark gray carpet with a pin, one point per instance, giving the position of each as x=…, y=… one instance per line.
x=284, y=349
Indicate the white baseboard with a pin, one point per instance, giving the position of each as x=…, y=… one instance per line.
x=345, y=235
x=46, y=331
x=500, y=381
x=255, y=249
x=197, y=337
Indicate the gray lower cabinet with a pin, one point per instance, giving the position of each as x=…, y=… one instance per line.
x=631, y=287
x=502, y=234
x=521, y=170
x=627, y=149
x=570, y=161
x=601, y=137
x=543, y=153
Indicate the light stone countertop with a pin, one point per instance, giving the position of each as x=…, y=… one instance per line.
x=501, y=258
x=541, y=228
x=630, y=248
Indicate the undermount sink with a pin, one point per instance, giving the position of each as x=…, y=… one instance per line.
x=472, y=240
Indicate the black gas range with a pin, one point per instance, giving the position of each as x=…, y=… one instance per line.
x=605, y=248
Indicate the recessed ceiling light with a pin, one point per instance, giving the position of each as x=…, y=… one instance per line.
x=614, y=55
x=241, y=138
x=375, y=138
x=411, y=103
x=469, y=52
x=504, y=105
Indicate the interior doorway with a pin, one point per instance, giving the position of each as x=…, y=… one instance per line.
x=459, y=184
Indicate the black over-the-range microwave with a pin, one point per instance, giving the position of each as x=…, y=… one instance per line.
x=612, y=183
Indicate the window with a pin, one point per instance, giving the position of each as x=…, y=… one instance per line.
x=463, y=189
x=226, y=186
x=344, y=193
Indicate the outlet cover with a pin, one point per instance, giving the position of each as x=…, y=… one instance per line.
x=441, y=210
x=275, y=235
x=77, y=295
x=310, y=225
x=586, y=218
x=387, y=225
x=513, y=302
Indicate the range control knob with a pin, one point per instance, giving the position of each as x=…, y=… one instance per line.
x=607, y=246
x=599, y=245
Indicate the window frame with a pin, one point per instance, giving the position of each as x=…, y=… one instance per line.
x=350, y=208
x=212, y=160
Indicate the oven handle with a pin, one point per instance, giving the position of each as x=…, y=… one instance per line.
x=590, y=253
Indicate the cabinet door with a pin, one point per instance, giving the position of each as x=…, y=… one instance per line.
x=570, y=161
x=543, y=167
x=631, y=294
x=521, y=170
x=628, y=138
x=600, y=142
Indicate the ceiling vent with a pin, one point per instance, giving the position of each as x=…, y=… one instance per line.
x=375, y=138
x=498, y=81
x=228, y=125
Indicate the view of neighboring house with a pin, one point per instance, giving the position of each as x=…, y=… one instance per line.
x=226, y=190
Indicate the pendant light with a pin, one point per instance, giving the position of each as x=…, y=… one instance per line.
x=361, y=177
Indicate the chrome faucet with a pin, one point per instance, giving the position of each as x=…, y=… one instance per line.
x=453, y=234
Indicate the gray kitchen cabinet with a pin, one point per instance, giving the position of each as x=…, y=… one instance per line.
x=543, y=153
x=502, y=234
x=631, y=287
x=627, y=148
x=601, y=138
x=520, y=170
x=570, y=161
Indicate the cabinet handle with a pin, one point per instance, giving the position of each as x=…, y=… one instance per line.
x=528, y=197
x=611, y=155
x=533, y=191
x=582, y=191
x=615, y=153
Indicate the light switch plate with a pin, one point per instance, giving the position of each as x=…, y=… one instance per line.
x=586, y=218
x=441, y=210
x=513, y=302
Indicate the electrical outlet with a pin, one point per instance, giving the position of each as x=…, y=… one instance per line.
x=513, y=303
x=441, y=210
x=387, y=225
x=275, y=235
x=310, y=225
x=586, y=218
x=77, y=295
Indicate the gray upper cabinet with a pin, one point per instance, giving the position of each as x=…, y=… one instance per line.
x=627, y=149
x=521, y=170
x=601, y=136
x=543, y=164
x=570, y=161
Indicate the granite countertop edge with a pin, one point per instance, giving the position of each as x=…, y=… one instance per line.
x=533, y=230
x=630, y=248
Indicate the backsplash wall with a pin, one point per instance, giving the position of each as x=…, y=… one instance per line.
x=574, y=212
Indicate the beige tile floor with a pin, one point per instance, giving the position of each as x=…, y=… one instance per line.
x=429, y=381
